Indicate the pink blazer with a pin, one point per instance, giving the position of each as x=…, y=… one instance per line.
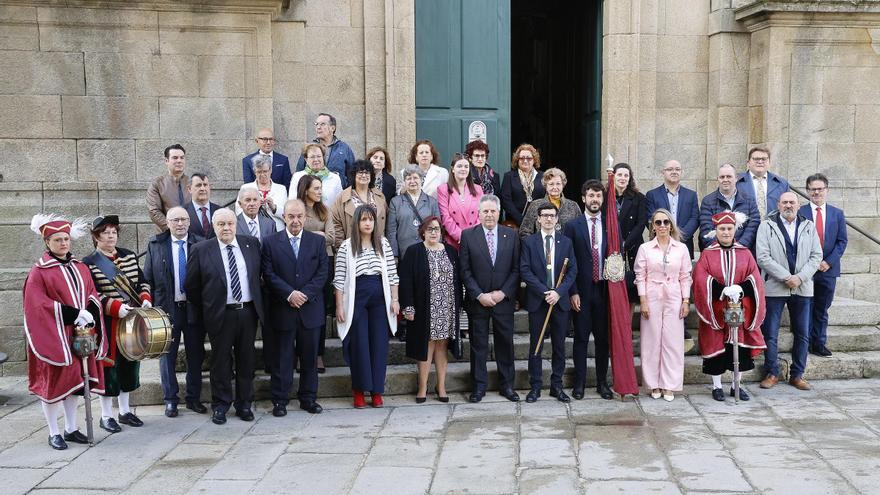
x=457, y=214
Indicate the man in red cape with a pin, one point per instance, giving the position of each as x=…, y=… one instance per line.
x=724, y=266
x=58, y=295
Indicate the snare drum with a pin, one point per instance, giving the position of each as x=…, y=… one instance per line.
x=144, y=333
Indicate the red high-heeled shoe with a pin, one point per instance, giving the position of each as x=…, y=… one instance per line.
x=359, y=402
x=377, y=400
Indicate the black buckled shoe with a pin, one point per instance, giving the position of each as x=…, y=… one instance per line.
x=560, y=395
x=577, y=392
x=219, y=417
x=131, y=420
x=57, y=443
x=196, y=406
x=533, y=395
x=76, y=437
x=604, y=391
x=476, y=396
x=509, y=394
x=245, y=414
x=743, y=395
x=171, y=410
x=279, y=410
x=311, y=407
x=718, y=394
x=110, y=425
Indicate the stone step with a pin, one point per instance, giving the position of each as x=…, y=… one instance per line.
x=402, y=378
x=840, y=339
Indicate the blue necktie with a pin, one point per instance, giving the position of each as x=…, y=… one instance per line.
x=294, y=243
x=181, y=265
x=234, y=282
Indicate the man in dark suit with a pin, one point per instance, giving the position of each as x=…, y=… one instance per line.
x=295, y=268
x=831, y=227
x=679, y=200
x=761, y=184
x=224, y=298
x=543, y=257
x=165, y=272
x=728, y=198
x=589, y=297
x=201, y=208
x=489, y=259
x=251, y=221
x=281, y=173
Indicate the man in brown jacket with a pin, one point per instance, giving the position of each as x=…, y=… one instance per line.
x=171, y=189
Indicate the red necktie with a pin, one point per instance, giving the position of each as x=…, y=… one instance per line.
x=204, y=220
x=820, y=226
x=595, y=249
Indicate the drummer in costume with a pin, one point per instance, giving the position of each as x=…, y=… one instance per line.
x=116, y=274
x=59, y=295
x=722, y=266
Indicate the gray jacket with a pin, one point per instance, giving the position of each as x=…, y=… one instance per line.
x=770, y=249
x=399, y=228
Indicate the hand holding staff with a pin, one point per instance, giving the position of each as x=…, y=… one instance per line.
x=550, y=309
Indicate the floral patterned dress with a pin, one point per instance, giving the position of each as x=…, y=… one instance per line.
x=442, y=294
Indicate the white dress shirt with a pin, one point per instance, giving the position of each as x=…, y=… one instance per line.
x=242, y=272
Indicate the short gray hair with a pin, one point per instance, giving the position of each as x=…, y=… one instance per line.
x=412, y=169
x=247, y=188
x=260, y=160
x=491, y=197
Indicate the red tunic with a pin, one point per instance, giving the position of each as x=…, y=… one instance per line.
x=728, y=267
x=54, y=371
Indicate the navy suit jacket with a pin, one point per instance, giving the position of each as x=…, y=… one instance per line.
x=532, y=269
x=206, y=282
x=743, y=202
x=776, y=185
x=159, y=268
x=285, y=273
x=688, y=215
x=281, y=173
x=195, y=221
x=579, y=233
x=479, y=275
x=835, y=237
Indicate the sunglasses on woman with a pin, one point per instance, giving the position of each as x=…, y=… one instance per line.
x=662, y=222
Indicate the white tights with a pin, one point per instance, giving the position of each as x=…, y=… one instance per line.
x=107, y=405
x=68, y=406
x=716, y=379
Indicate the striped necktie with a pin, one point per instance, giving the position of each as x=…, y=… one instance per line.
x=234, y=282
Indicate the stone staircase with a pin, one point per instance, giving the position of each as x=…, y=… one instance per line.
x=853, y=337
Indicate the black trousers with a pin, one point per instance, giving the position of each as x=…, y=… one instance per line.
x=233, y=348
x=502, y=330
x=591, y=319
x=301, y=342
x=557, y=329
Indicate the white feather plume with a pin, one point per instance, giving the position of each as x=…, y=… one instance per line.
x=78, y=226
x=741, y=219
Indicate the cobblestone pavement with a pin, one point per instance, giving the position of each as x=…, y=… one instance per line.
x=782, y=441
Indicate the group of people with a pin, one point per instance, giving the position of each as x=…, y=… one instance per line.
x=335, y=236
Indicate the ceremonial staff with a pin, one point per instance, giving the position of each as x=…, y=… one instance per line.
x=550, y=309
x=733, y=317
x=84, y=344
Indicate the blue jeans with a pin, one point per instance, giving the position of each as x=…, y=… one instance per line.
x=799, y=313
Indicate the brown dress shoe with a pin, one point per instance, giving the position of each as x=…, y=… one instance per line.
x=769, y=381
x=799, y=383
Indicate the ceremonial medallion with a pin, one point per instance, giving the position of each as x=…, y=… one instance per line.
x=615, y=268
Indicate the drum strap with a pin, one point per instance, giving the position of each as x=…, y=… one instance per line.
x=110, y=271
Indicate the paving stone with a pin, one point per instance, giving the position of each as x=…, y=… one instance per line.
x=473, y=454
x=421, y=422
x=659, y=408
x=22, y=480
x=400, y=480
x=546, y=428
x=549, y=481
x=783, y=453
x=615, y=452
x=404, y=452
x=610, y=412
x=857, y=399
x=804, y=409
x=747, y=425
x=684, y=434
x=702, y=470
x=310, y=473
x=496, y=411
x=249, y=459
x=226, y=487
x=546, y=452
x=626, y=487
x=837, y=435
x=285, y=427
x=208, y=432
x=800, y=481
x=862, y=470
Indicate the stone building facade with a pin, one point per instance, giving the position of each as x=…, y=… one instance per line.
x=93, y=90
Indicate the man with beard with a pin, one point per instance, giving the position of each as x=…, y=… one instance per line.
x=589, y=295
x=789, y=253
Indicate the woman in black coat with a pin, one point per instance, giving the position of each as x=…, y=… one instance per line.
x=632, y=216
x=521, y=185
x=385, y=182
x=430, y=295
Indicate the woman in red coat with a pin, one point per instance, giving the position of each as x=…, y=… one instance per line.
x=58, y=295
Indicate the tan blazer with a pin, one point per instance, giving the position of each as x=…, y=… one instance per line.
x=343, y=212
x=162, y=196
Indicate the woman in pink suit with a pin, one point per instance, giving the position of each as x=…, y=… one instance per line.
x=663, y=278
x=459, y=200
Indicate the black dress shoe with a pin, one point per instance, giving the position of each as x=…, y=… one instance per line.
x=604, y=391
x=279, y=410
x=130, y=419
x=197, y=407
x=718, y=394
x=510, y=395
x=743, y=395
x=441, y=398
x=421, y=400
x=476, y=396
x=533, y=395
x=560, y=395
x=219, y=417
x=577, y=393
x=57, y=443
x=311, y=407
x=171, y=410
x=322, y=370
x=245, y=414
x=76, y=437
x=110, y=425
x=821, y=351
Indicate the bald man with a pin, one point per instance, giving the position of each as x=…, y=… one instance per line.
x=728, y=198
x=281, y=173
x=679, y=200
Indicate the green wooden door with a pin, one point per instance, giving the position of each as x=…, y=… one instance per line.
x=463, y=74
